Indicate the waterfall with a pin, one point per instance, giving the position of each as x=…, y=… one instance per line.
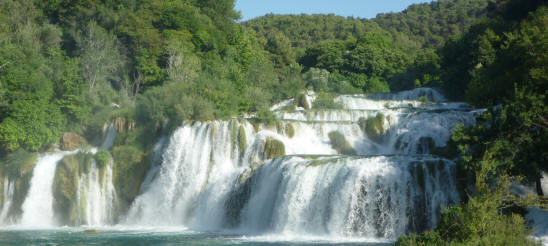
x=109, y=134
x=9, y=189
x=95, y=192
x=207, y=180
x=349, y=196
x=363, y=171
x=38, y=205
x=96, y=196
x=198, y=167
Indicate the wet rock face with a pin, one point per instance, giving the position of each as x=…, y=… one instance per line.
x=72, y=141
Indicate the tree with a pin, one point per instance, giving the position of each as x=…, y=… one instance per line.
x=99, y=54
x=183, y=65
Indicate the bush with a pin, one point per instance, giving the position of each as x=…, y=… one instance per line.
x=326, y=101
x=102, y=158
x=339, y=143
x=480, y=221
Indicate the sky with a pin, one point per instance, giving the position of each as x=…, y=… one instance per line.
x=357, y=8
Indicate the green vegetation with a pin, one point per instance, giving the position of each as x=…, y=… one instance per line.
x=18, y=167
x=339, y=143
x=273, y=148
x=65, y=185
x=130, y=168
x=500, y=60
x=373, y=127
x=242, y=141
x=148, y=66
x=102, y=158
x=486, y=219
x=290, y=130
x=326, y=101
x=300, y=101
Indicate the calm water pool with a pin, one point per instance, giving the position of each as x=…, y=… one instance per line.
x=79, y=236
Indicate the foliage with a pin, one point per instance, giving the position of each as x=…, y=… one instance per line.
x=481, y=221
x=326, y=101
x=130, y=168
x=103, y=158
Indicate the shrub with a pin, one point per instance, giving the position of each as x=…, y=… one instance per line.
x=102, y=158
x=326, y=101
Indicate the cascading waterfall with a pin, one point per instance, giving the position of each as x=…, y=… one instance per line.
x=287, y=178
x=348, y=196
x=208, y=180
x=38, y=205
x=96, y=196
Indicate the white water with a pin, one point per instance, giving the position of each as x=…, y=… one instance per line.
x=97, y=196
x=205, y=182
x=109, y=133
x=368, y=197
x=539, y=219
x=38, y=205
x=202, y=180
x=9, y=189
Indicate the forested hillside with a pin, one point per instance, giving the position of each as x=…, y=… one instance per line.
x=391, y=51
x=149, y=61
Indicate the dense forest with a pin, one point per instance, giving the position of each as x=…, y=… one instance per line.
x=150, y=65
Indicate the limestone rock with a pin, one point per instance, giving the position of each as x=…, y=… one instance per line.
x=72, y=141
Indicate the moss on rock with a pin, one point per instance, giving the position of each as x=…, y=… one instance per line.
x=19, y=166
x=300, y=101
x=339, y=143
x=373, y=127
x=242, y=140
x=234, y=132
x=65, y=187
x=129, y=171
x=72, y=141
x=273, y=148
x=290, y=130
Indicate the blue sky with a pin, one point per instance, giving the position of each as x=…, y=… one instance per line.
x=356, y=8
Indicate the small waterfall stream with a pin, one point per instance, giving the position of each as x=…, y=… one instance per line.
x=9, y=189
